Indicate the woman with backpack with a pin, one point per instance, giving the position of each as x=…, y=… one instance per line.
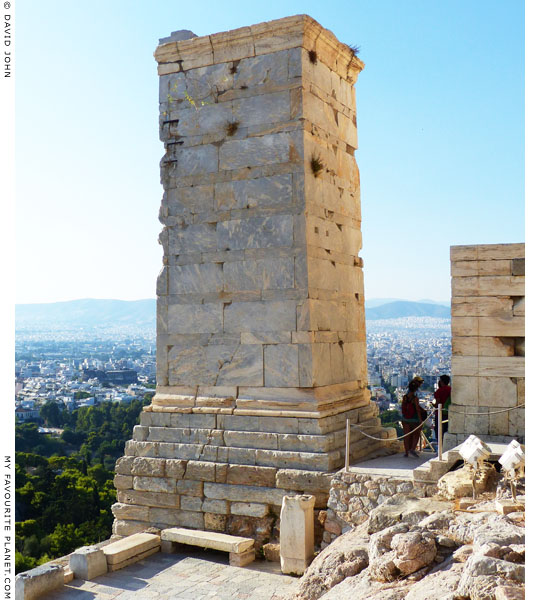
x=410, y=409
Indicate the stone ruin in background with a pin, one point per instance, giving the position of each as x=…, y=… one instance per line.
x=261, y=345
x=488, y=343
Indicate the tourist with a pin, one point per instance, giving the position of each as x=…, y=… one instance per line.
x=442, y=398
x=410, y=409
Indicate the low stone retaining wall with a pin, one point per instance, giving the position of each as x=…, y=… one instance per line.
x=353, y=495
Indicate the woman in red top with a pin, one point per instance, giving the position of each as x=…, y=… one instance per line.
x=442, y=394
x=411, y=419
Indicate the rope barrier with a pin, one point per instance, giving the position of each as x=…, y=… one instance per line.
x=394, y=439
x=429, y=416
x=495, y=412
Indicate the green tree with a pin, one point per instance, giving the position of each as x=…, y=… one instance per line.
x=51, y=414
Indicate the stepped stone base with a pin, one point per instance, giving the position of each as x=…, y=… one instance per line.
x=206, y=469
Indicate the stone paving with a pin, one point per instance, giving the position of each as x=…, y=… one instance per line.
x=192, y=575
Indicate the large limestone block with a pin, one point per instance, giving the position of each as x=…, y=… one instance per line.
x=270, y=191
x=281, y=365
x=207, y=539
x=487, y=252
x=258, y=70
x=486, y=366
x=37, y=582
x=235, y=493
x=256, y=232
x=194, y=238
x=120, y=551
x=260, y=316
x=482, y=306
x=191, y=318
x=470, y=268
x=498, y=392
x=271, y=273
x=254, y=152
x=495, y=285
x=88, y=562
x=196, y=279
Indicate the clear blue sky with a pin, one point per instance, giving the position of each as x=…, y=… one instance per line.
x=440, y=131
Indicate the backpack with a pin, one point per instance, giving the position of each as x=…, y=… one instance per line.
x=408, y=409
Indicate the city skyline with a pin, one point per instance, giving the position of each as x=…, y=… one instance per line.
x=440, y=131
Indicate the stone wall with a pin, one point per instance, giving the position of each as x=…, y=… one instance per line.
x=261, y=351
x=488, y=343
x=354, y=495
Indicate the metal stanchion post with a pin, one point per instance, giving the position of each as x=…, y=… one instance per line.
x=347, y=444
x=439, y=431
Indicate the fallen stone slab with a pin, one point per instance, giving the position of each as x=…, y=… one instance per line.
x=131, y=549
x=38, y=582
x=240, y=549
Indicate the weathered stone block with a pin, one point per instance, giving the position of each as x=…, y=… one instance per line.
x=215, y=522
x=152, y=467
x=251, y=193
x=251, y=475
x=177, y=518
x=193, y=238
x=130, y=512
x=219, y=507
x=305, y=481
x=235, y=493
x=272, y=273
x=255, y=232
x=196, y=279
x=249, y=509
x=254, y=152
x=123, y=465
x=123, y=482
x=36, y=582
x=88, y=562
x=148, y=498
x=175, y=468
x=260, y=316
x=201, y=471
x=189, y=488
x=154, y=484
x=281, y=365
x=197, y=160
x=191, y=318
x=191, y=503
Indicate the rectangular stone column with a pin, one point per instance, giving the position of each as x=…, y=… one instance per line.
x=488, y=343
x=261, y=351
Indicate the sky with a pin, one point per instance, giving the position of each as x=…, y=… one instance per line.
x=440, y=136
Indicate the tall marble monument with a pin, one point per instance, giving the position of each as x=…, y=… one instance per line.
x=261, y=347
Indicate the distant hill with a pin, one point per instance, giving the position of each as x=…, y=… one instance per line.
x=373, y=302
x=404, y=308
x=86, y=314
x=90, y=313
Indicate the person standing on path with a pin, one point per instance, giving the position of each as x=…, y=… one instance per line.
x=442, y=398
x=410, y=409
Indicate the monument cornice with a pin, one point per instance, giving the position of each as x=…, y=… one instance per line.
x=265, y=38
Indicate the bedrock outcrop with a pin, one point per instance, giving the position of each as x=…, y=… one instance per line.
x=425, y=549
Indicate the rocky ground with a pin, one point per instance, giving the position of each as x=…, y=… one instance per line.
x=423, y=548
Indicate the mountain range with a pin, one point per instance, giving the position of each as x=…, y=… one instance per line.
x=89, y=313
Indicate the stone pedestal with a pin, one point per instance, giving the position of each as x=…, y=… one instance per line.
x=261, y=351
x=296, y=541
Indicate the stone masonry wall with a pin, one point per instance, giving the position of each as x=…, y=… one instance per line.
x=488, y=343
x=354, y=495
x=261, y=352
